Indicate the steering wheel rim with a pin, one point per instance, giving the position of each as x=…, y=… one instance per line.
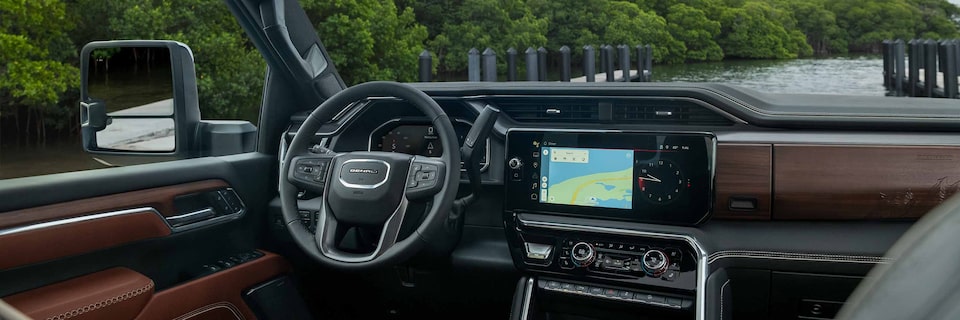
x=921, y=282
x=322, y=245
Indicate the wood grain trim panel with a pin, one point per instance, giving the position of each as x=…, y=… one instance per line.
x=836, y=182
x=158, y=198
x=224, y=286
x=743, y=170
x=37, y=245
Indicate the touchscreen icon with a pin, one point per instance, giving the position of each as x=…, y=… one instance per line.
x=546, y=152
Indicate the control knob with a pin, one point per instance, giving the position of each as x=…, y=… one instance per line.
x=515, y=163
x=655, y=262
x=582, y=254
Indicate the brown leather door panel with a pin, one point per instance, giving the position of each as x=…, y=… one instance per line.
x=224, y=289
x=75, y=227
x=117, y=293
x=121, y=293
x=40, y=244
x=159, y=198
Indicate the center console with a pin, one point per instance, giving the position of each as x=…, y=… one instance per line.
x=558, y=182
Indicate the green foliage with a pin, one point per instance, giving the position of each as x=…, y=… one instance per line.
x=369, y=39
x=35, y=71
x=692, y=27
x=499, y=24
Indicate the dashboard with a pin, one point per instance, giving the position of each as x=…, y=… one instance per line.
x=659, y=195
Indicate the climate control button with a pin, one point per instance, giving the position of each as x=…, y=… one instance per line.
x=583, y=254
x=655, y=262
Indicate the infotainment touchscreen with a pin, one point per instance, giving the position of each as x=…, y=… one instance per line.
x=587, y=177
x=639, y=176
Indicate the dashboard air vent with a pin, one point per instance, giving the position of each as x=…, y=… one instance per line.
x=666, y=112
x=551, y=111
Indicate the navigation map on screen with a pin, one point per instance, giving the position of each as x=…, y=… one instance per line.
x=587, y=177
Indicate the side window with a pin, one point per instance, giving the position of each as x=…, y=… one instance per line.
x=40, y=82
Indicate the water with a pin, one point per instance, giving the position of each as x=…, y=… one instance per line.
x=851, y=75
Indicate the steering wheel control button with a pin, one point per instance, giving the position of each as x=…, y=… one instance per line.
x=654, y=262
x=583, y=254
x=537, y=251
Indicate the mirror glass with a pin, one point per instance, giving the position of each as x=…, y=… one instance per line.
x=135, y=85
x=138, y=134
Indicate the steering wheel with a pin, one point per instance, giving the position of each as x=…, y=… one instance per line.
x=369, y=189
x=923, y=281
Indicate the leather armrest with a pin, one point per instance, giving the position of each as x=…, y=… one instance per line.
x=117, y=293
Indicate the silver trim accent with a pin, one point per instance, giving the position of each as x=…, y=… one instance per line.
x=527, y=294
x=386, y=175
x=538, y=251
x=724, y=286
x=55, y=223
x=793, y=256
x=618, y=298
x=483, y=166
x=190, y=214
x=702, y=263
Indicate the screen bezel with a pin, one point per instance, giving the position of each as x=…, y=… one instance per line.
x=516, y=201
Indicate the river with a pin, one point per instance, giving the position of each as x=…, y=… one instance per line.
x=852, y=75
x=848, y=75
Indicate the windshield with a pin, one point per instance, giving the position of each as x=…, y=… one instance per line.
x=785, y=46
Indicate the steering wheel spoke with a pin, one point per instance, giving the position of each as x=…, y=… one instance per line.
x=310, y=172
x=425, y=178
x=329, y=230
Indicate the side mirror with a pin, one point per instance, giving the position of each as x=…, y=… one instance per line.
x=139, y=97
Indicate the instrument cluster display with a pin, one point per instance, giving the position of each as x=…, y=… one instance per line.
x=417, y=138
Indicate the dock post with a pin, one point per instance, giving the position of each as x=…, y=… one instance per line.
x=511, y=64
x=532, y=74
x=565, y=64
x=489, y=65
x=625, y=61
x=603, y=58
x=589, y=63
x=542, y=63
x=948, y=61
x=899, y=66
x=609, y=60
x=473, y=65
x=929, y=67
x=913, y=79
x=640, y=63
x=426, y=66
x=649, y=63
x=887, y=63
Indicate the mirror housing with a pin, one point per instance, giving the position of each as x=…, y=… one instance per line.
x=185, y=113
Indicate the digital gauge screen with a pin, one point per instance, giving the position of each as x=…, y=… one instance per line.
x=412, y=139
x=418, y=138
